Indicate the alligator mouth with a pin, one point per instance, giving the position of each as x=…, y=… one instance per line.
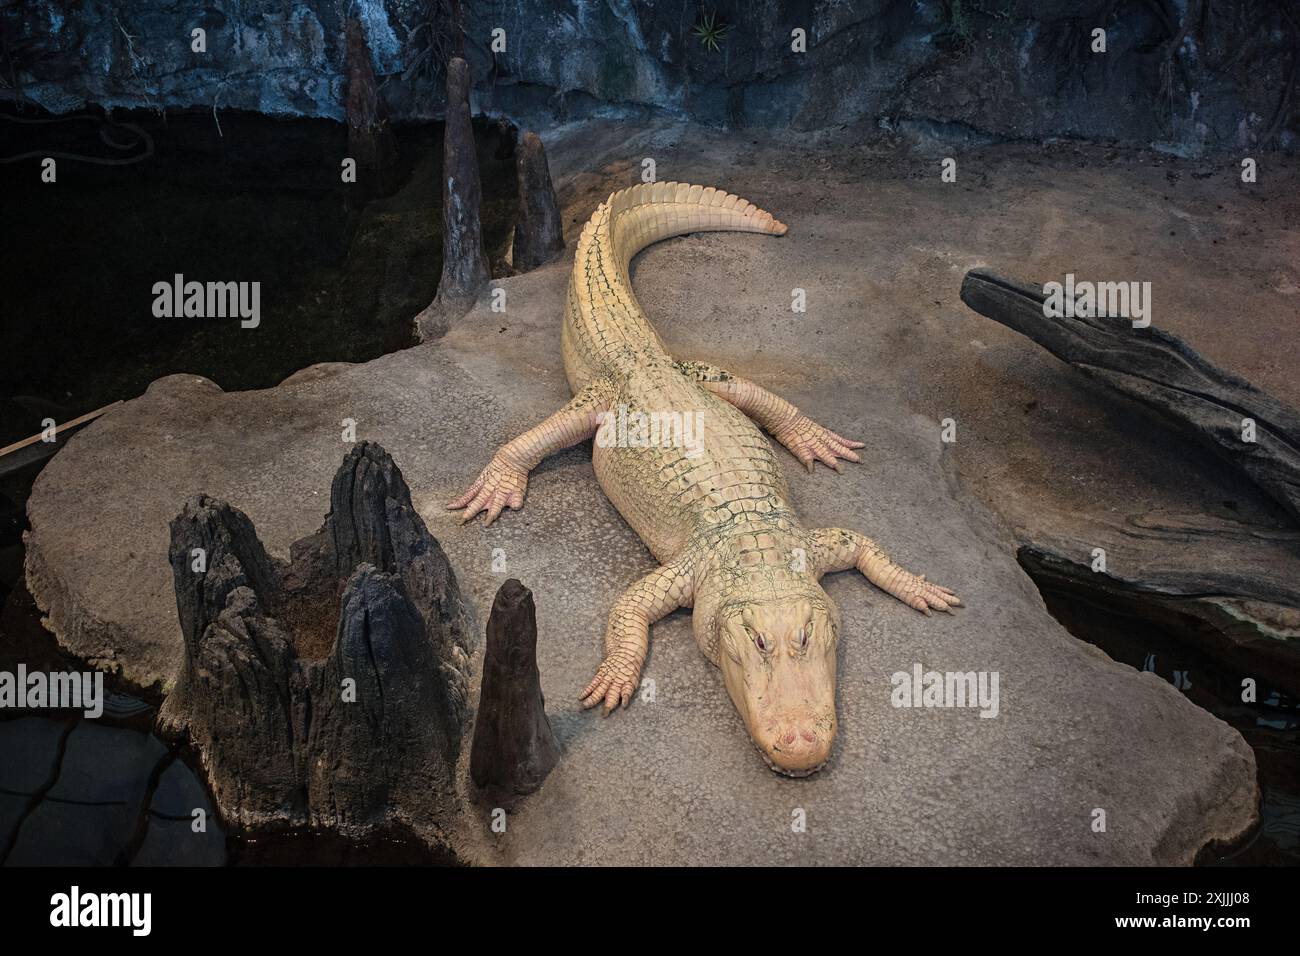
x=772, y=765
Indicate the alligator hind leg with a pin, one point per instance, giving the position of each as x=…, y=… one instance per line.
x=835, y=549
x=627, y=638
x=807, y=441
x=505, y=479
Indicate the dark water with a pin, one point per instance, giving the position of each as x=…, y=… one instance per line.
x=108, y=791
x=343, y=268
x=99, y=793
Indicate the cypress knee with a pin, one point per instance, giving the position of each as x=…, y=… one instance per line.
x=538, y=235
x=514, y=748
x=464, y=267
x=330, y=690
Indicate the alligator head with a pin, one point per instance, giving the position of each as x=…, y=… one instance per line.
x=778, y=661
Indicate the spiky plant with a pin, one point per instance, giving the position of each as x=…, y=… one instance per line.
x=711, y=33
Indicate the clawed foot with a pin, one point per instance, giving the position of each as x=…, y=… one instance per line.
x=615, y=682
x=811, y=443
x=500, y=485
x=915, y=591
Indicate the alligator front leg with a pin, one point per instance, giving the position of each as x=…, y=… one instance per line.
x=505, y=479
x=806, y=440
x=627, y=638
x=835, y=549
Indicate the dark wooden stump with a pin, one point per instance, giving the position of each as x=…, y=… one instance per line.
x=329, y=691
x=234, y=694
x=538, y=234
x=215, y=550
x=514, y=748
x=393, y=747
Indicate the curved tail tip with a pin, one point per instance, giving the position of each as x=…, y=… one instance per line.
x=778, y=228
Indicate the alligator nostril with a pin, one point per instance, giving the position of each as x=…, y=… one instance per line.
x=788, y=738
x=808, y=735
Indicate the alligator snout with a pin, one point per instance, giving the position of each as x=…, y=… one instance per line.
x=796, y=750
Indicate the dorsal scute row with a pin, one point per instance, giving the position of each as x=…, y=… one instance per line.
x=644, y=193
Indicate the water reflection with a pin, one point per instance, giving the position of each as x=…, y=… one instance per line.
x=76, y=792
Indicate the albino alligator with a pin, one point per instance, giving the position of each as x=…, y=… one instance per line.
x=714, y=511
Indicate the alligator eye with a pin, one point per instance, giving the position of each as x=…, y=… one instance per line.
x=759, y=642
x=804, y=633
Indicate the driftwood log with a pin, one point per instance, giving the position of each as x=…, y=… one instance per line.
x=514, y=748
x=1162, y=372
x=538, y=234
x=1232, y=586
x=329, y=691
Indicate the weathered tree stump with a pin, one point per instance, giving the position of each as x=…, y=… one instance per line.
x=351, y=731
x=370, y=139
x=514, y=748
x=464, y=266
x=538, y=234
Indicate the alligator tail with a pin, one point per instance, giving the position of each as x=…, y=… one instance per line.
x=600, y=309
x=641, y=215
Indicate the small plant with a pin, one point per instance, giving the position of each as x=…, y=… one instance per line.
x=710, y=32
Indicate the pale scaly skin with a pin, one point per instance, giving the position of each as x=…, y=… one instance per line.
x=717, y=515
